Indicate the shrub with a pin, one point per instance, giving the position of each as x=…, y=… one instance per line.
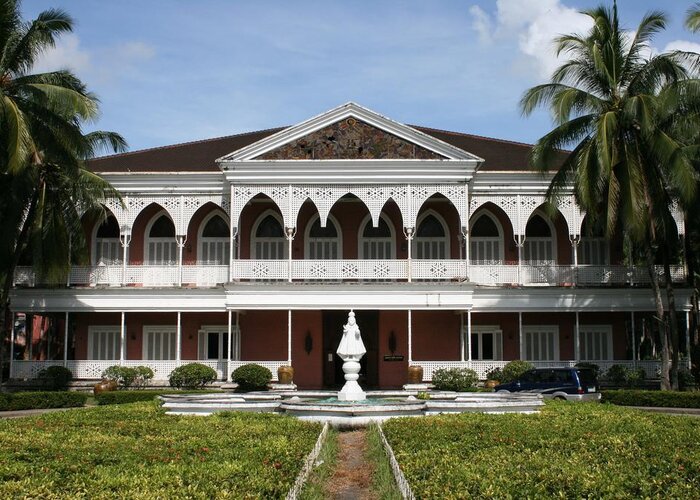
x=55, y=378
x=663, y=399
x=495, y=374
x=636, y=377
x=514, y=369
x=192, y=375
x=686, y=379
x=590, y=366
x=37, y=400
x=618, y=375
x=252, y=377
x=122, y=375
x=455, y=379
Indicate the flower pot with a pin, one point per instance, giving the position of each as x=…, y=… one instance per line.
x=104, y=385
x=415, y=374
x=285, y=375
x=490, y=384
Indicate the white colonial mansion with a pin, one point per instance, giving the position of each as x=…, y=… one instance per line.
x=254, y=247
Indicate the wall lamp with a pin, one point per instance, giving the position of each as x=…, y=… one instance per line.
x=392, y=342
x=308, y=342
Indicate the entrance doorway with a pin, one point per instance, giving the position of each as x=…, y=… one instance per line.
x=333, y=322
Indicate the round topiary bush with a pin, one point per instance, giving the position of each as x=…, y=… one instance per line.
x=252, y=377
x=55, y=378
x=192, y=376
x=514, y=369
x=455, y=379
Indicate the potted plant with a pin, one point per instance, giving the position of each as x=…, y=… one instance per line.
x=493, y=377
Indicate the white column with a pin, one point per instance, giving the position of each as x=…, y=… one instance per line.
x=469, y=335
x=410, y=338
x=467, y=249
x=577, y=340
x=409, y=239
x=520, y=335
x=232, y=234
x=634, y=342
x=65, y=341
x=461, y=337
x=180, y=246
x=575, y=240
x=520, y=242
x=230, y=347
x=124, y=239
x=178, y=340
x=687, y=337
x=289, y=337
x=290, y=239
x=69, y=264
x=12, y=340
x=122, y=339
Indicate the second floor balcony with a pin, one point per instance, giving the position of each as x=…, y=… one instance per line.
x=346, y=270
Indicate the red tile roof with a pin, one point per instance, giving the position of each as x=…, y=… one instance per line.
x=200, y=156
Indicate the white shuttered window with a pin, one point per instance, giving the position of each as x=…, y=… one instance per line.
x=103, y=342
x=159, y=342
x=541, y=343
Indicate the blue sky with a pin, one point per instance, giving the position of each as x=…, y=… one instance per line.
x=175, y=71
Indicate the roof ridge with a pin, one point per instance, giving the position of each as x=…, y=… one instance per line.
x=189, y=143
x=476, y=136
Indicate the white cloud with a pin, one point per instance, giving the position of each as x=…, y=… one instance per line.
x=67, y=54
x=481, y=24
x=683, y=45
x=102, y=65
x=533, y=25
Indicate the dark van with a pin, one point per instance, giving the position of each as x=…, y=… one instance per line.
x=573, y=384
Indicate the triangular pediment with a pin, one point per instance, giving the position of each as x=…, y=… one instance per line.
x=349, y=132
x=350, y=139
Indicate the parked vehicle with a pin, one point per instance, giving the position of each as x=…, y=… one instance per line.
x=572, y=384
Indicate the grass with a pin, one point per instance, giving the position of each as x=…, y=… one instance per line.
x=137, y=451
x=568, y=450
x=383, y=482
x=323, y=470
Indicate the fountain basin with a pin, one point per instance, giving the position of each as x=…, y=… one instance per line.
x=352, y=413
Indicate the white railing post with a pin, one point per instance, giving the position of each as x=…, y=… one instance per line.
x=408, y=232
x=230, y=347
x=469, y=336
x=687, y=338
x=178, y=340
x=634, y=341
x=180, y=246
x=65, y=341
x=410, y=338
x=521, y=347
x=577, y=340
x=289, y=337
x=290, y=238
x=125, y=239
x=122, y=339
x=575, y=240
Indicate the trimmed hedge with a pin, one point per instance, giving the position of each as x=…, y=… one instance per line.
x=138, y=451
x=192, y=375
x=41, y=400
x=251, y=377
x=584, y=450
x=124, y=397
x=455, y=379
x=661, y=399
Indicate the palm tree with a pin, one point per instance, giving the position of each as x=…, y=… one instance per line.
x=43, y=176
x=607, y=102
x=692, y=20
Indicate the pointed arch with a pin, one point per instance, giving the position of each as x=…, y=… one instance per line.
x=160, y=244
x=213, y=239
x=323, y=242
x=486, y=238
x=594, y=247
x=377, y=242
x=432, y=236
x=540, y=239
x=267, y=239
x=105, y=242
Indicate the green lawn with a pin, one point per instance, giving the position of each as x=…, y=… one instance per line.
x=568, y=450
x=136, y=450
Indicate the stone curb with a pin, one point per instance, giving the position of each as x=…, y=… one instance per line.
x=400, y=479
x=293, y=493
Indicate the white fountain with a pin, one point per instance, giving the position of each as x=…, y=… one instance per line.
x=351, y=349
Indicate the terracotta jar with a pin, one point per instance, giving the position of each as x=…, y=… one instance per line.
x=490, y=384
x=104, y=385
x=415, y=374
x=285, y=375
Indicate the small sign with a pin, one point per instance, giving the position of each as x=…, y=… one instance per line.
x=393, y=357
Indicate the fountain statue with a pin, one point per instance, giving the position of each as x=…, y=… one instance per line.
x=351, y=349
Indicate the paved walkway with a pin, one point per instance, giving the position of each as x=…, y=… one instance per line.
x=31, y=413
x=692, y=412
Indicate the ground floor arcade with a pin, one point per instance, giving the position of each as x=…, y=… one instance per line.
x=89, y=342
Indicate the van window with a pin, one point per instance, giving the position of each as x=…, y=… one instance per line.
x=564, y=376
x=586, y=376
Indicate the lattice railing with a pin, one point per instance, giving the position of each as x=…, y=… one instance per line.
x=346, y=269
x=651, y=368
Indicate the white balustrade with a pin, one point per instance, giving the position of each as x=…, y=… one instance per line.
x=650, y=367
x=346, y=269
